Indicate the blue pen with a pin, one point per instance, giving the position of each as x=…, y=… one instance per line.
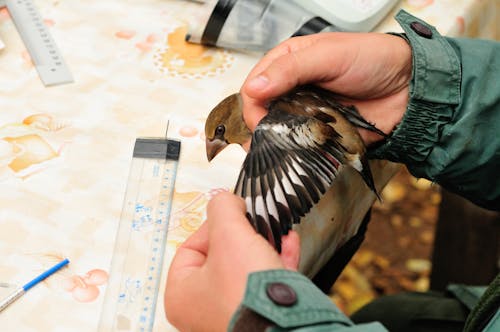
x=20, y=291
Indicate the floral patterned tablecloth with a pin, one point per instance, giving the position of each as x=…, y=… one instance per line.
x=65, y=151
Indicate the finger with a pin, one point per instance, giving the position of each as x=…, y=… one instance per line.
x=226, y=217
x=288, y=66
x=269, y=57
x=236, y=249
x=256, y=80
x=277, y=78
x=198, y=241
x=229, y=228
x=183, y=278
x=288, y=46
x=295, y=68
x=290, y=250
x=192, y=253
x=254, y=109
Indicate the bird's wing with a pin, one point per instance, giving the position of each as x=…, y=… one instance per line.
x=319, y=102
x=292, y=161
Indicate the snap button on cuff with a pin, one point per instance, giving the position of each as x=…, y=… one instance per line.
x=421, y=29
x=281, y=294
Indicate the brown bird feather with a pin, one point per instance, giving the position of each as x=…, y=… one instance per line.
x=296, y=152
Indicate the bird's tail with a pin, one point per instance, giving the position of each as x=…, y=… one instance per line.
x=353, y=116
x=350, y=112
x=367, y=176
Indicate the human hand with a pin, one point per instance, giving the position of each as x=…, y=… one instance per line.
x=369, y=70
x=208, y=275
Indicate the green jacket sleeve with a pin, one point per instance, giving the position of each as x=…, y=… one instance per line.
x=281, y=300
x=449, y=134
x=450, y=131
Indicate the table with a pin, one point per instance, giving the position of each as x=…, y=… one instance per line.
x=65, y=151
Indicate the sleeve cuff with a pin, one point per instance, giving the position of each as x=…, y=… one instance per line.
x=434, y=93
x=298, y=303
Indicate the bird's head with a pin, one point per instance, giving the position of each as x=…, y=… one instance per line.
x=225, y=125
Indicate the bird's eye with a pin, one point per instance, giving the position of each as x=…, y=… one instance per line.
x=220, y=130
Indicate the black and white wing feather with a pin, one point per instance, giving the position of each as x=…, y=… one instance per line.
x=293, y=160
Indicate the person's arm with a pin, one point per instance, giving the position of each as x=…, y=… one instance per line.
x=444, y=121
x=207, y=277
x=450, y=131
x=449, y=134
x=209, y=274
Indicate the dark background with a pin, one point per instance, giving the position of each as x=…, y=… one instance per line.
x=419, y=237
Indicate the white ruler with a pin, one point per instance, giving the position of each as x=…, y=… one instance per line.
x=43, y=50
x=135, y=277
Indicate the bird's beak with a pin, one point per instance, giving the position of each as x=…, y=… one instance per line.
x=214, y=146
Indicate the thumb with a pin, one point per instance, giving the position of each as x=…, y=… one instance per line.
x=290, y=250
x=225, y=214
x=264, y=82
x=276, y=76
x=294, y=68
x=232, y=236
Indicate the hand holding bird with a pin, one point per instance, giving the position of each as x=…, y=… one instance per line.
x=302, y=137
x=206, y=280
x=370, y=71
x=296, y=152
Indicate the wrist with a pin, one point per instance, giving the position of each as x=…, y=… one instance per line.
x=387, y=111
x=385, y=118
x=433, y=93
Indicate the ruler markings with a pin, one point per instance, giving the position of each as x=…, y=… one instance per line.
x=46, y=56
x=131, y=297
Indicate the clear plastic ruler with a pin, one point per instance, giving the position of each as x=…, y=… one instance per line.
x=135, y=275
x=43, y=50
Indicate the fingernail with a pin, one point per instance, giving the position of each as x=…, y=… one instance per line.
x=258, y=83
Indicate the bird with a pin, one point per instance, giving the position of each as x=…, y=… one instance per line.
x=295, y=154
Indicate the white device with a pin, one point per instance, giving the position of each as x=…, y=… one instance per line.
x=350, y=15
